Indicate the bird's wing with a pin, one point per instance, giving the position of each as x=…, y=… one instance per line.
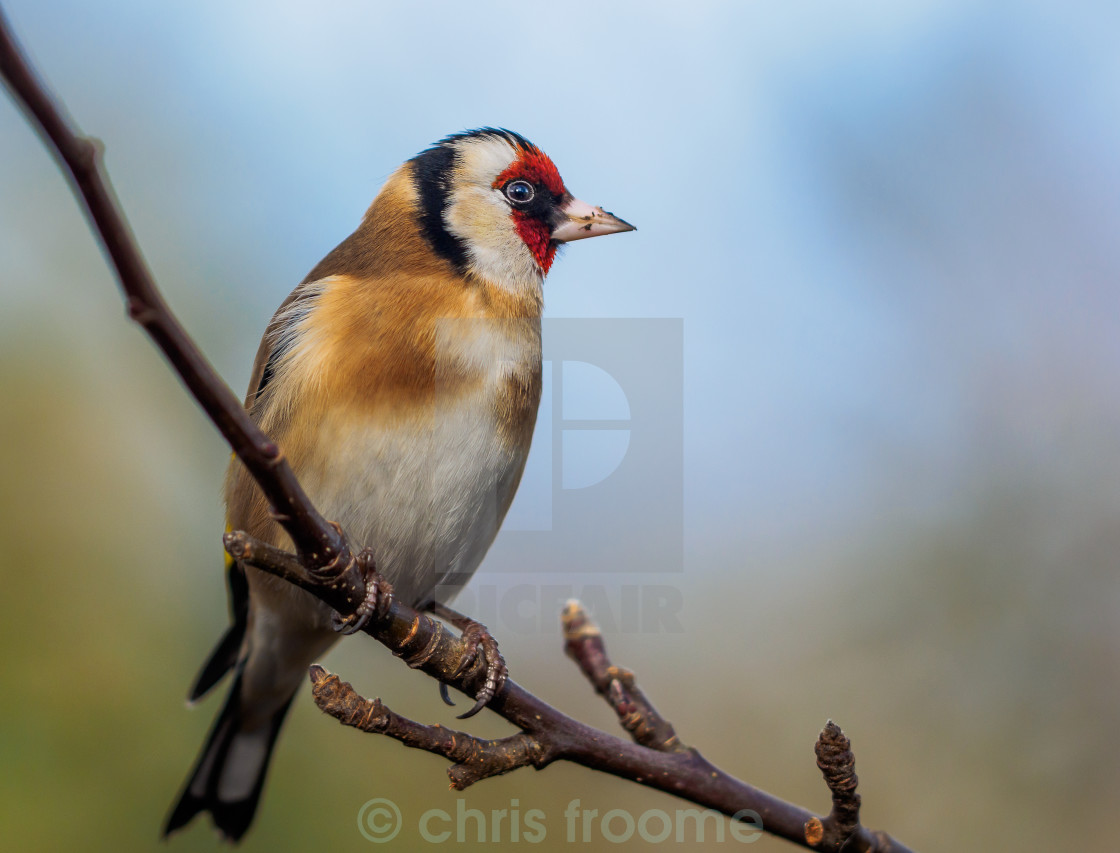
x=272, y=347
x=269, y=352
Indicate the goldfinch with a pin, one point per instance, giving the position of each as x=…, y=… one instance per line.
x=402, y=379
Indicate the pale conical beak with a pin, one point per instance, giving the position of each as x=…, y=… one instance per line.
x=581, y=220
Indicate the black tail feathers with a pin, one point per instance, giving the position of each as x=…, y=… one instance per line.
x=229, y=775
x=221, y=661
x=224, y=656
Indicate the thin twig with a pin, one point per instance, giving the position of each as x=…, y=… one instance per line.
x=475, y=758
x=841, y=828
x=583, y=643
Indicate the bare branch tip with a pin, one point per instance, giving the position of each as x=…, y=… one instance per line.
x=572, y=610
x=328, y=690
x=833, y=734
x=834, y=751
x=576, y=622
x=236, y=544
x=838, y=766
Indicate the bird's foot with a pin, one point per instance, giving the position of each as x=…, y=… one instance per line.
x=476, y=640
x=379, y=592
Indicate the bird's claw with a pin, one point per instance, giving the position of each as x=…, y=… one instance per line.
x=444, y=695
x=476, y=638
x=378, y=594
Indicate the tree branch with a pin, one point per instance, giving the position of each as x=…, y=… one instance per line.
x=318, y=543
x=474, y=758
x=326, y=565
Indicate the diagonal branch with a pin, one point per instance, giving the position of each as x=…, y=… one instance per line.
x=325, y=565
x=320, y=544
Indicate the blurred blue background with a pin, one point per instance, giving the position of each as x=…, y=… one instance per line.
x=890, y=230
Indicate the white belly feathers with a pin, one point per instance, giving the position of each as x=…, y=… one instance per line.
x=427, y=493
x=428, y=502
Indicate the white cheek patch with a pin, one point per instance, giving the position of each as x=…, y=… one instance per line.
x=479, y=216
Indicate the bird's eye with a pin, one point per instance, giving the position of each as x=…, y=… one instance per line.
x=520, y=192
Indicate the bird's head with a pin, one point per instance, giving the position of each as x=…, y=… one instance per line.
x=494, y=205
